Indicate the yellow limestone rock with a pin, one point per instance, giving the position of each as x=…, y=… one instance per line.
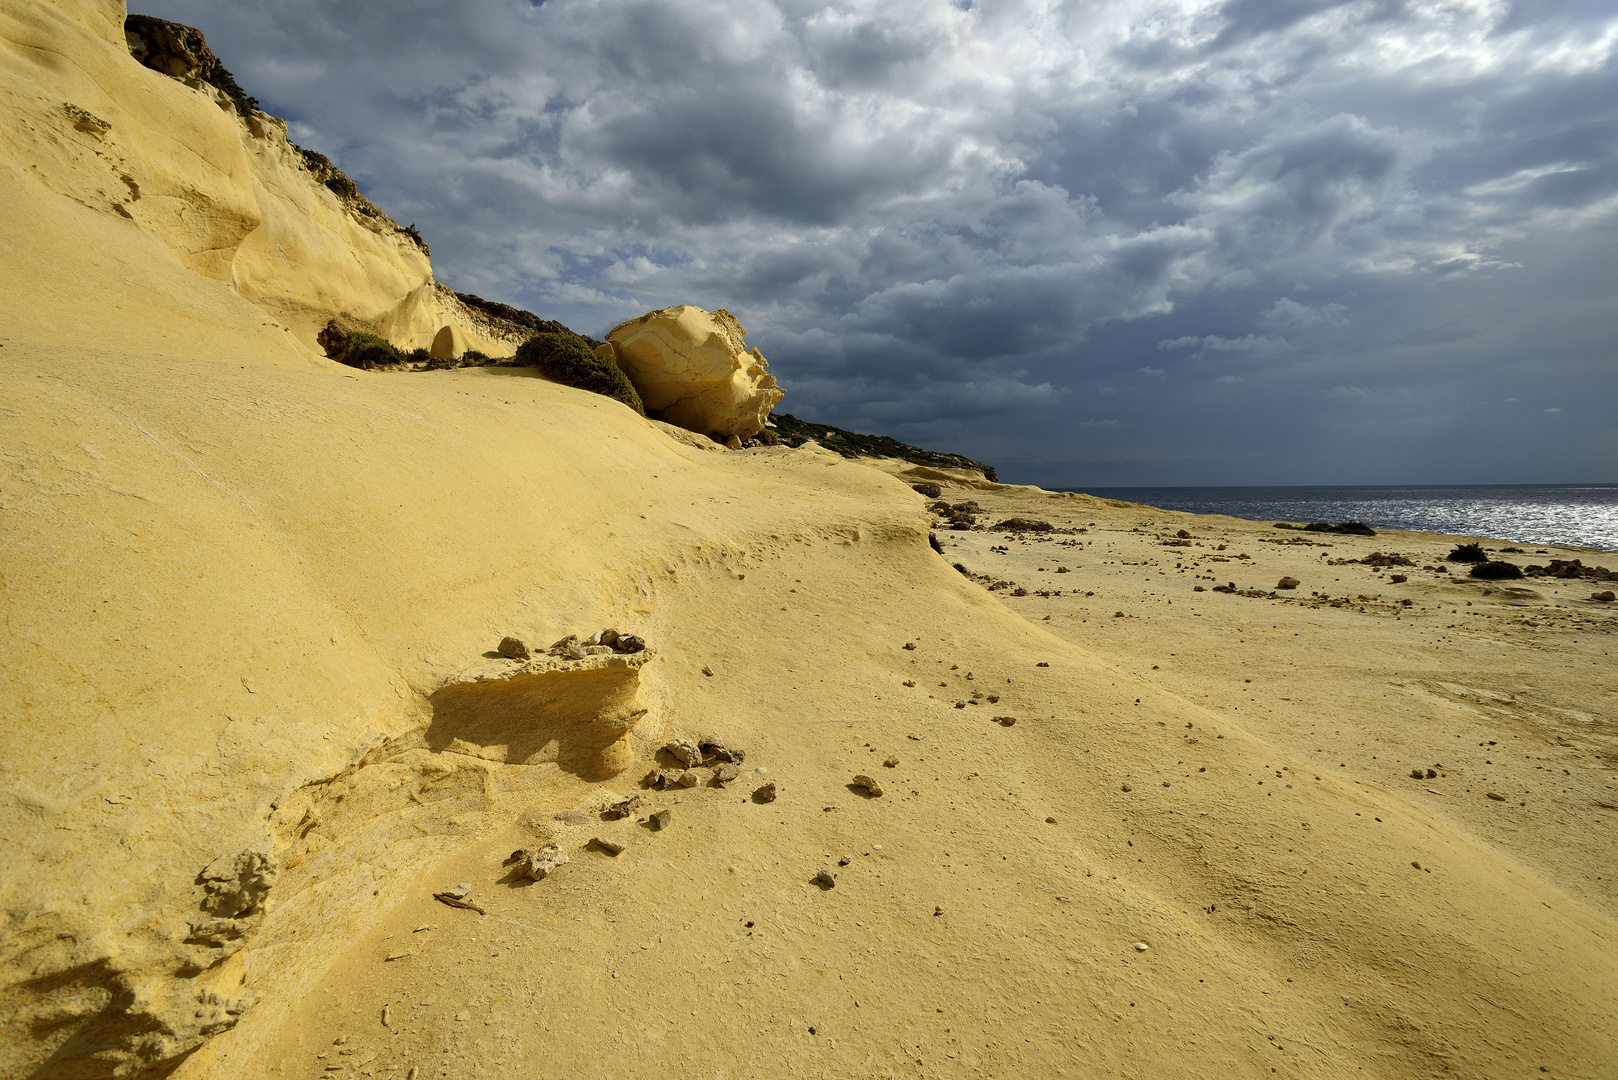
x=692, y=368
x=448, y=343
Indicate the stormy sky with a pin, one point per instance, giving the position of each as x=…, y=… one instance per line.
x=1102, y=243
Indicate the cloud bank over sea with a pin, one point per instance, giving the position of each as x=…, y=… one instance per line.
x=1250, y=241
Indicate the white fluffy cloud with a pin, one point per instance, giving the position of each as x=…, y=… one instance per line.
x=929, y=213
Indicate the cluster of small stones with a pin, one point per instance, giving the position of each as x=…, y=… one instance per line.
x=709, y=751
x=535, y=864
x=961, y=516
x=736, y=442
x=1571, y=569
x=572, y=647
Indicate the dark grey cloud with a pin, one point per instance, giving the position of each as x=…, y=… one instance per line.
x=1100, y=242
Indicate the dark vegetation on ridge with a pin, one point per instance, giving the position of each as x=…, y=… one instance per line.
x=795, y=432
x=566, y=358
x=1351, y=528
x=181, y=52
x=527, y=319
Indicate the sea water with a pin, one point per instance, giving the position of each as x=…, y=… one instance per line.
x=1584, y=515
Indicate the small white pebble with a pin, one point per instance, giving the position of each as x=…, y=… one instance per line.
x=1141, y=946
x=760, y=769
x=876, y=847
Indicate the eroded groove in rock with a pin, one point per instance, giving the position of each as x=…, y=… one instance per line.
x=575, y=713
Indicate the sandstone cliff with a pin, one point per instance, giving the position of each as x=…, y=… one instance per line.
x=257, y=713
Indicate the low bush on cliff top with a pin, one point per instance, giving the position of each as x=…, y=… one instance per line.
x=1496, y=571
x=1467, y=553
x=567, y=359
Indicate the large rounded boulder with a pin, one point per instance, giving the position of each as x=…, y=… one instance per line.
x=693, y=369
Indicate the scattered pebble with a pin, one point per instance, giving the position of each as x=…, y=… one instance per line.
x=621, y=809
x=1288, y=583
x=684, y=751
x=1492, y=795
x=688, y=779
x=1050, y=821
x=536, y=863
x=1128, y=788
x=765, y=794
x=725, y=774
x=844, y=861
x=611, y=847
x=873, y=788
x=1005, y=721
x=708, y=671
x=660, y=819
x=825, y=879
x=891, y=763
x=1141, y=946
x=512, y=649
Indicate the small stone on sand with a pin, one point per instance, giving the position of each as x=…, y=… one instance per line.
x=869, y=784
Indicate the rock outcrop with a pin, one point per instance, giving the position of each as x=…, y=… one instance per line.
x=692, y=368
x=176, y=50
x=288, y=229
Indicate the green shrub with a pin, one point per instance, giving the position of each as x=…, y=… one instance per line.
x=1352, y=528
x=567, y=359
x=220, y=77
x=1496, y=571
x=369, y=351
x=473, y=358
x=1467, y=553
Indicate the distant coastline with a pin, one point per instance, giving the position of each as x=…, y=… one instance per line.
x=1580, y=515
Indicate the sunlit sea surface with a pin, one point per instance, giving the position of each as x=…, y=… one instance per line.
x=1579, y=514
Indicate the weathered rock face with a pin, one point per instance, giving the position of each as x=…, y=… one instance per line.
x=692, y=368
x=169, y=47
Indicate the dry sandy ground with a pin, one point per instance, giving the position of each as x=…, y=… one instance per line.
x=1502, y=687
x=986, y=924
